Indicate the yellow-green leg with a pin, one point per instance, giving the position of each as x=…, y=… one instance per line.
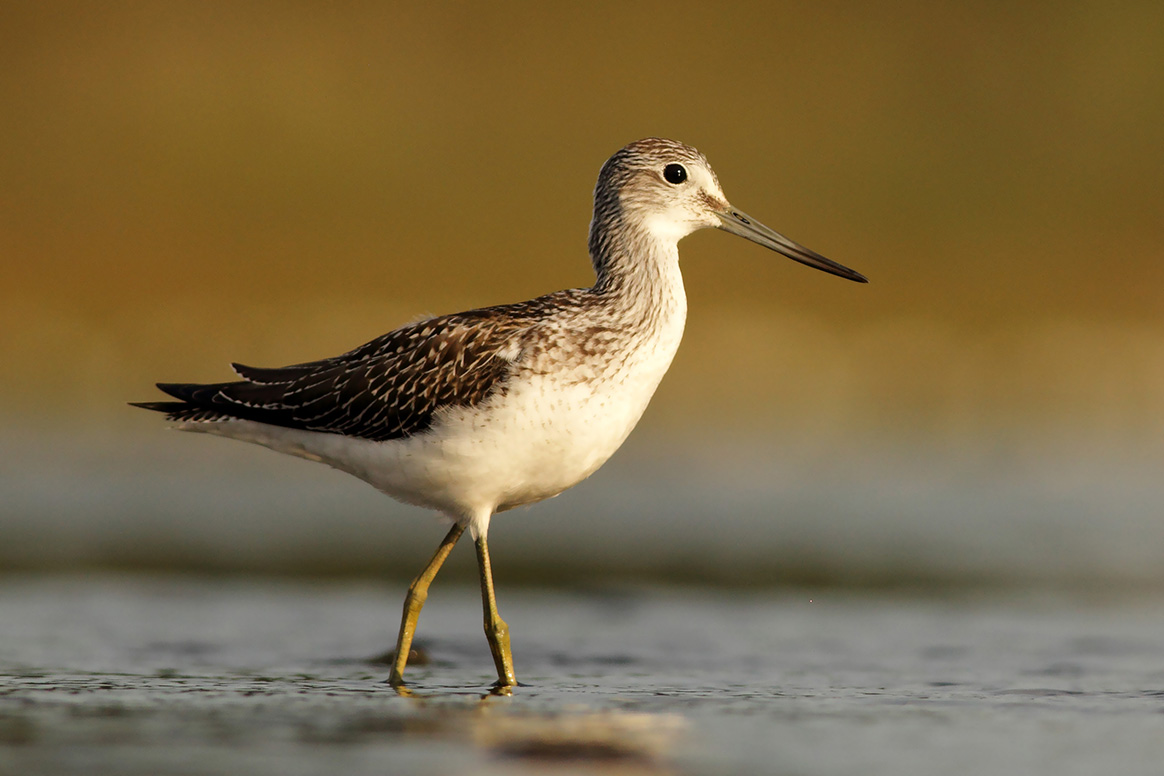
x=417, y=593
x=495, y=628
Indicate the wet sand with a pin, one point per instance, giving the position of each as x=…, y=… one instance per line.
x=146, y=675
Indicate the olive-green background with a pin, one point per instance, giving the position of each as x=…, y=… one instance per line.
x=186, y=184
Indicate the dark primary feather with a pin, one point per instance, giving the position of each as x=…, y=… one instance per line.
x=389, y=388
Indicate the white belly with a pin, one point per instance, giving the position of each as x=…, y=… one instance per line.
x=534, y=442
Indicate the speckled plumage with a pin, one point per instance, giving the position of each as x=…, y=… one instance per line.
x=389, y=388
x=478, y=412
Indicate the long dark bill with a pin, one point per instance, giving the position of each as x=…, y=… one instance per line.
x=742, y=224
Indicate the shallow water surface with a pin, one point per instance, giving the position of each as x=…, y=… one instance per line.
x=188, y=675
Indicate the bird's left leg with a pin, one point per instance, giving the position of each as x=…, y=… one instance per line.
x=496, y=631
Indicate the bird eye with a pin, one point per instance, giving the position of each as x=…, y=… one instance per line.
x=674, y=173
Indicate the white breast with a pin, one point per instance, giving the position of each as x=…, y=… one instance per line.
x=546, y=432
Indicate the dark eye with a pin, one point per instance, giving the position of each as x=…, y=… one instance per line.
x=674, y=173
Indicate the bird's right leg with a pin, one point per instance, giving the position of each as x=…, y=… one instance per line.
x=417, y=593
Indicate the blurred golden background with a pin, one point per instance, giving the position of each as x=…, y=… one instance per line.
x=187, y=184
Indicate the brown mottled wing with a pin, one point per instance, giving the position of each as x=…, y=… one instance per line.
x=391, y=387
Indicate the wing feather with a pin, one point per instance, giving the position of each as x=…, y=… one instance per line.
x=391, y=387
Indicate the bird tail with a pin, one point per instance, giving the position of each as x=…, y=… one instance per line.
x=192, y=407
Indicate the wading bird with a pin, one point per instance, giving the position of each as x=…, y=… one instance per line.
x=478, y=412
